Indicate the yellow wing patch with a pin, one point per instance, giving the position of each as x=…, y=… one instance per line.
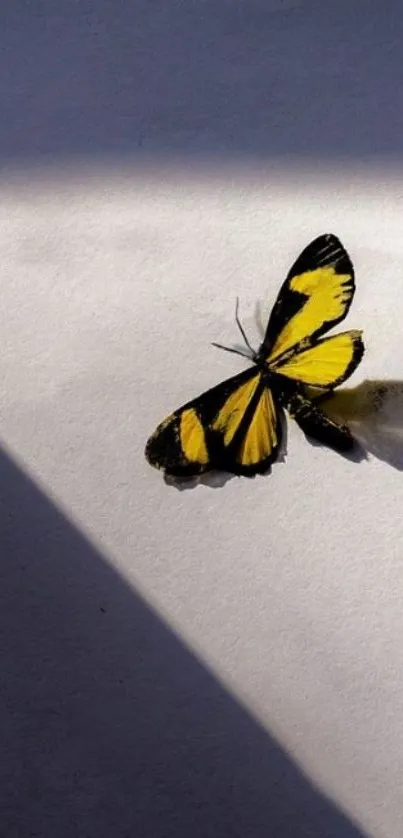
x=232, y=411
x=192, y=438
x=261, y=438
x=327, y=294
x=326, y=364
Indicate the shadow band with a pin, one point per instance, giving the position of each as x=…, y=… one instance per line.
x=110, y=726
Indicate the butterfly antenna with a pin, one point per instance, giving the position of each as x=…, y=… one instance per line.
x=228, y=349
x=241, y=329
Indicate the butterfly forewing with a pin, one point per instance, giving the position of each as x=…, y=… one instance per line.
x=315, y=296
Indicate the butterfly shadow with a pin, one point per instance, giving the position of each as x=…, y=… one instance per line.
x=374, y=412
x=260, y=317
x=213, y=479
x=356, y=454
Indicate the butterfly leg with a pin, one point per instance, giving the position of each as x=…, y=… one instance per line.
x=316, y=424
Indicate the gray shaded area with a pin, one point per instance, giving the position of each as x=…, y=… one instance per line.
x=257, y=78
x=374, y=412
x=109, y=725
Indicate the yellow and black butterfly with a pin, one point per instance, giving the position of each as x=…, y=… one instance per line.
x=237, y=426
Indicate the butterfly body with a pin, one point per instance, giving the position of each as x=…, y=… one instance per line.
x=237, y=426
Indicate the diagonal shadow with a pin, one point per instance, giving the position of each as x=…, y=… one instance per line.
x=374, y=412
x=110, y=726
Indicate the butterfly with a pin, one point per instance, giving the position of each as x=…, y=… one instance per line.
x=237, y=425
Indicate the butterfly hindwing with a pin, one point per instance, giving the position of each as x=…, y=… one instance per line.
x=236, y=426
x=261, y=439
x=327, y=363
x=315, y=296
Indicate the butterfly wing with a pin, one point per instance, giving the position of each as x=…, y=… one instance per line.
x=326, y=364
x=255, y=443
x=235, y=427
x=316, y=295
